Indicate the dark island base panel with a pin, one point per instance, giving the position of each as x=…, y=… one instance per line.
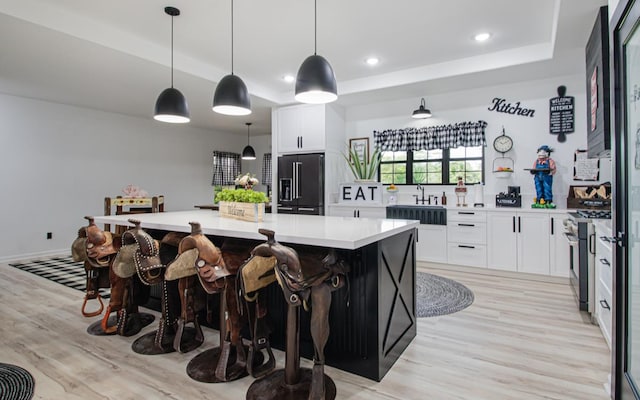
x=372, y=319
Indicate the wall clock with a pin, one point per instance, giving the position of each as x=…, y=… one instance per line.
x=503, y=143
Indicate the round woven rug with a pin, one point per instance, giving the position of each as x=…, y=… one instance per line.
x=15, y=383
x=437, y=295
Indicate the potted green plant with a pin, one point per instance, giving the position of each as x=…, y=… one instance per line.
x=242, y=204
x=363, y=168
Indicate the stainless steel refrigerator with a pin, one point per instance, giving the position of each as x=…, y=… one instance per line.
x=301, y=184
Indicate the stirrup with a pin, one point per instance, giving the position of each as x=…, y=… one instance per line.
x=266, y=367
x=177, y=340
x=105, y=322
x=225, y=372
x=93, y=313
x=317, y=389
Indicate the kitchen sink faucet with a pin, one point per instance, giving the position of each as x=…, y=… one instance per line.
x=422, y=200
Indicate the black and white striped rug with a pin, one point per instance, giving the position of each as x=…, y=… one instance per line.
x=437, y=295
x=16, y=383
x=60, y=269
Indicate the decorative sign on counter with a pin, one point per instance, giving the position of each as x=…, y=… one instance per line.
x=361, y=193
x=561, y=114
x=585, y=168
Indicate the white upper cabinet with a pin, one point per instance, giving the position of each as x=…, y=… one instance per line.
x=301, y=128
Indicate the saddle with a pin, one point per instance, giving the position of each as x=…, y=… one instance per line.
x=143, y=255
x=96, y=250
x=210, y=265
x=193, y=251
x=306, y=279
x=127, y=293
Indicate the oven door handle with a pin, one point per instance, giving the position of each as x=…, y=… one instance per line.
x=572, y=239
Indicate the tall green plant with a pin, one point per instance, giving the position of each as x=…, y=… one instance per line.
x=363, y=168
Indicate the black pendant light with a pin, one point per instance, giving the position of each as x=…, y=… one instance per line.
x=231, y=96
x=248, y=153
x=421, y=112
x=171, y=105
x=316, y=82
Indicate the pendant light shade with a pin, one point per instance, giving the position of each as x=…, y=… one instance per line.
x=231, y=96
x=248, y=153
x=316, y=82
x=421, y=112
x=171, y=105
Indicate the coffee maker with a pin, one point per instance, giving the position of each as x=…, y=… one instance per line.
x=511, y=198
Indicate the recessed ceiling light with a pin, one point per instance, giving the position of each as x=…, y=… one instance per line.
x=372, y=60
x=288, y=78
x=481, y=37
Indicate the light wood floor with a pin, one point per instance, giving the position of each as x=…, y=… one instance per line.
x=519, y=340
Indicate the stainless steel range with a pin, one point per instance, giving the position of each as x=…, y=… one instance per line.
x=580, y=233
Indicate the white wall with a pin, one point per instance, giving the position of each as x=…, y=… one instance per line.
x=472, y=105
x=59, y=163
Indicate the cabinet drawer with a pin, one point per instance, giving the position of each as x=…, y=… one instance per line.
x=467, y=254
x=604, y=268
x=603, y=306
x=466, y=215
x=467, y=232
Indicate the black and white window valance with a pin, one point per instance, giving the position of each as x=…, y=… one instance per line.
x=226, y=167
x=465, y=134
x=266, y=169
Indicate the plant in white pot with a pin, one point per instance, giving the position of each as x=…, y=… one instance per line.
x=363, y=168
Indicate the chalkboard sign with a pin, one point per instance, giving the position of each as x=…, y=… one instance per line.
x=561, y=115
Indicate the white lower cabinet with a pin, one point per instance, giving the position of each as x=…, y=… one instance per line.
x=357, y=212
x=558, y=248
x=432, y=243
x=603, y=278
x=467, y=237
x=519, y=241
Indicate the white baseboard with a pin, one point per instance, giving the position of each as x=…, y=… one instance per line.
x=32, y=256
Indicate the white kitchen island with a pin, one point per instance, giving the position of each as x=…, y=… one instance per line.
x=372, y=318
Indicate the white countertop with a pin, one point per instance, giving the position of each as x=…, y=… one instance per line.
x=334, y=232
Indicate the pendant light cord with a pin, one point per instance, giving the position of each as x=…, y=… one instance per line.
x=172, y=51
x=231, y=37
x=315, y=27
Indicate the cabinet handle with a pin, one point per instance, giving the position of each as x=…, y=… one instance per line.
x=354, y=213
x=466, y=224
x=514, y=224
x=605, y=262
x=306, y=209
x=466, y=213
x=464, y=246
x=358, y=213
x=592, y=243
x=519, y=230
x=604, y=304
x=552, y=225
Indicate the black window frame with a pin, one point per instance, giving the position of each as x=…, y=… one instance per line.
x=446, y=159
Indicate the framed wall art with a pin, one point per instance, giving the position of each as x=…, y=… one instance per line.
x=360, y=146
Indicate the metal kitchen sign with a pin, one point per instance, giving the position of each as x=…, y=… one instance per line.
x=501, y=105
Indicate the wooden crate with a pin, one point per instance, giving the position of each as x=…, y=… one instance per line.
x=252, y=212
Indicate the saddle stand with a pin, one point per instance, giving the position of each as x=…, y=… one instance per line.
x=313, y=280
x=217, y=273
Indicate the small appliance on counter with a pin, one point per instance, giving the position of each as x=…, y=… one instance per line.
x=510, y=199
